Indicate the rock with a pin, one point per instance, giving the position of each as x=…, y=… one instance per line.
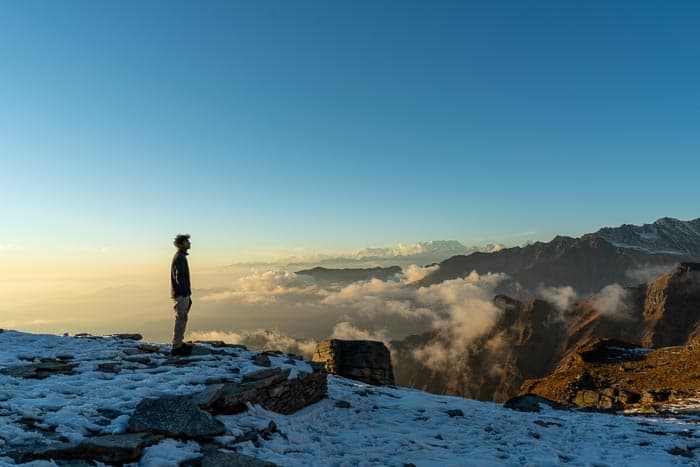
x=229, y=459
x=362, y=360
x=113, y=449
x=109, y=367
x=209, y=396
x=149, y=348
x=47, y=367
x=271, y=389
x=176, y=416
x=342, y=404
x=455, y=413
x=611, y=350
x=131, y=337
x=531, y=403
x=261, y=360
x=263, y=374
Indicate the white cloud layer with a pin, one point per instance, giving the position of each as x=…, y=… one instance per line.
x=563, y=298
x=259, y=339
x=613, y=301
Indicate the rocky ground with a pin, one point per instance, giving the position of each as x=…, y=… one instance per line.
x=83, y=401
x=615, y=375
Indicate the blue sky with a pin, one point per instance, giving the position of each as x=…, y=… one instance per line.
x=265, y=126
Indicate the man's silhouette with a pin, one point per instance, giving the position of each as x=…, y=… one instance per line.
x=181, y=292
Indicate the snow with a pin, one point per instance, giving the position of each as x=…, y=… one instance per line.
x=383, y=426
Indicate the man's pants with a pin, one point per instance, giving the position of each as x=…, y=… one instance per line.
x=182, y=308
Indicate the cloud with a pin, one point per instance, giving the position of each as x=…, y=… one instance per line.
x=469, y=313
x=347, y=331
x=613, y=301
x=460, y=309
x=647, y=272
x=414, y=273
x=267, y=287
x=259, y=339
x=563, y=298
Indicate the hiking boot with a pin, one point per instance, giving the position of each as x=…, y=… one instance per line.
x=182, y=350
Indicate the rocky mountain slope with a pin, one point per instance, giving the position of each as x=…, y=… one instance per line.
x=533, y=336
x=587, y=263
x=666, y=235
x=90, y=401
x=615, y=375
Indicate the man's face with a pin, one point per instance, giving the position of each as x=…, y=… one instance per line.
x=186, y=245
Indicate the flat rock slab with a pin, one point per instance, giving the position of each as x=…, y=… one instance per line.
x=113, y=449
x=227, y=459
x=41, y=370
x=176, y=416
x=127, y=336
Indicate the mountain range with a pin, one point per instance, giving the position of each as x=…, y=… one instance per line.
x=587, y=263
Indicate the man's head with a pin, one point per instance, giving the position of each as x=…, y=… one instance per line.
x=182, y=242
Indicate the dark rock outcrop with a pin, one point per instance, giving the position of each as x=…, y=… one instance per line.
x=366, y=361
x=47, y=367
x=270, y=388
x=176, y=416
x=613, y=375
x=218, y=458
x=110, y=449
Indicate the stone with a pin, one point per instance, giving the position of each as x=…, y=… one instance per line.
x=261, y=360
x=455, y=413
x=272, y=389
x=127, y=336
x=531, y=403
x=209, y=396
x=362, y=360
x=47, y=367
x=177, y=416
x=113, y=449
x=342, y=404
x=231, y=459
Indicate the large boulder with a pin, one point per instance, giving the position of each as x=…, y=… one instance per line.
x=362, y=360
x=176, y=416
x=272, y=388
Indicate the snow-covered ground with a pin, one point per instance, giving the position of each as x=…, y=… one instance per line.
x=381, y=425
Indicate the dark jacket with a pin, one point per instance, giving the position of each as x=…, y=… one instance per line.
x=180, y=276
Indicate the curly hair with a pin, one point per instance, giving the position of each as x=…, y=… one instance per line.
x=180, y=238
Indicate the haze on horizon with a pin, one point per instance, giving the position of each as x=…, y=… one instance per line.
x=276, y=130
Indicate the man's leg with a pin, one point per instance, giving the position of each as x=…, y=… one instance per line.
x=182, y=309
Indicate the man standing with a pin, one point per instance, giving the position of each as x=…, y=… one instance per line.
x=181, y=292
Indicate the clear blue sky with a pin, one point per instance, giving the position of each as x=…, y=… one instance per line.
x=325, y=124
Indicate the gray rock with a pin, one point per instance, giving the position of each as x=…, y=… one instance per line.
x=455, y=413
x=271, y=389
x=176, y=416
x=111, y=449
x=127, y=336
x=47, y=367
x=366, y=361
x=209, y=396
x=531, y=403
x=232, y=459
x=262, y=360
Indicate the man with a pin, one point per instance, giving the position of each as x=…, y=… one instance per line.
x=181, y=292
